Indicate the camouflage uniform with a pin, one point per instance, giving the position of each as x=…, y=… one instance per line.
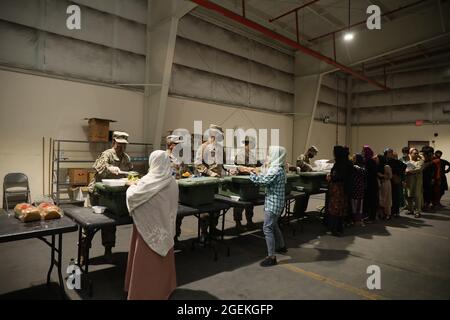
x=178, y=168
x=247, y=159
x=202, y=167
x=303, y=162
x=208, y=219
x=106, y=159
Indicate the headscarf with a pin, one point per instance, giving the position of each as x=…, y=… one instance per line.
x=155, y=221
x=277, y=156
x=359, y=159
x=340, y=153
x=367, y=153
x=159, y=176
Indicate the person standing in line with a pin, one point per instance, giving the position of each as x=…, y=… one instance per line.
x=358, y=188
x=275, y=181
x=414, y=183
x=153, y=205
x=398, y=173
x=445, y=168
x=371, y=202
x=340, y=187
x=385, y=188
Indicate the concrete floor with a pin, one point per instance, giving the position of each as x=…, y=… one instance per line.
x=413, y=254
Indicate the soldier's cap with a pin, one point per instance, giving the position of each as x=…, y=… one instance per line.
x=173, y=139
x=216, y=127
x=313, y=148
x=120, y=137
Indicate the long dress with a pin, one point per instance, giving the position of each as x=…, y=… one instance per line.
x=339, y=192
x=385, y=190
x=151, y=273
x=149, y=276
x=414, y=185
x=370, y=204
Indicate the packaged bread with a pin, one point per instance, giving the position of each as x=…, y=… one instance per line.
x=49, y=211
x=25, y=212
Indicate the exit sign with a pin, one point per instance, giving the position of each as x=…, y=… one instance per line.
x=419, y=123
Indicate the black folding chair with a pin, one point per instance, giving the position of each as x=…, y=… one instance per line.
x=16, y=188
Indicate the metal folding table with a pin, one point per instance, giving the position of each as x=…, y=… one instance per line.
x=12, y=229
x=91, y=223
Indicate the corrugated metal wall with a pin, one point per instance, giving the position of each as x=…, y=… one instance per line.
x=210, y=63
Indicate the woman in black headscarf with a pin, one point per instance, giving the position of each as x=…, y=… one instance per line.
x=370, y=204
x=339, y=190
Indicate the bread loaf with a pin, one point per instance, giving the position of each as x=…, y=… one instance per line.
x=25, y=212
x=49, y=211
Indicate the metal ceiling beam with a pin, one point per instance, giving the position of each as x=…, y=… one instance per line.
x=364, y=21
x=320, y=15
x=278, y=37
x=293, y=10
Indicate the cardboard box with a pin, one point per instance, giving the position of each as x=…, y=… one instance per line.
x=98, y=130
x=78, y=177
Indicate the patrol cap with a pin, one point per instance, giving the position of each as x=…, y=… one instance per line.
x=173, y=139
x=313, y=148
x=120, y=137
x=216, y=127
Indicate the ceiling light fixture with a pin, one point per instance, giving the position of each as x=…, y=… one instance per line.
x=349, y=36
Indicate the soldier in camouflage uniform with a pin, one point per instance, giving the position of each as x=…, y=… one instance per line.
x=245, y=158
x=107, y=166
x=178, y=168
x=304, y=165
x=208, y=167
x=304, y=160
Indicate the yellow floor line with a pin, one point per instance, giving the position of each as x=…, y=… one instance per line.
x=360, y=292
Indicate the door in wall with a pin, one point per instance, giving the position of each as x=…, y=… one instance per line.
x=418, y=144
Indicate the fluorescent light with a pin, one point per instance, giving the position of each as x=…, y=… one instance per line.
x=349, y=36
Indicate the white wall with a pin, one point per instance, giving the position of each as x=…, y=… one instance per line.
x=397, y=137
x=181, y=113
x=323, y=136
x=32, y=107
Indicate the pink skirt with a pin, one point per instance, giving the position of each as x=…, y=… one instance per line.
x=149, y=276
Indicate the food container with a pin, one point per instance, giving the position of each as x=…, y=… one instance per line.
x=291, y=180
x=113, y=198
x=114, y=182
x=311, y=182
x=99, y=209
x=235, y=198
x=197, y=191
x=239, y=186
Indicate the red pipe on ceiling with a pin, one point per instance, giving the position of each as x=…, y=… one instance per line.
x=276, y=36
x=364, y=21
x=293, y=10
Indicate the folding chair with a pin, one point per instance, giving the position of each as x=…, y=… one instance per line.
x=16, y=188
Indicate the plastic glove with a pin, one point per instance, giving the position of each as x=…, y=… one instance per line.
x=114, y=170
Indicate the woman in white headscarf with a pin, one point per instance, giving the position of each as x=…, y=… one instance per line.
x=275, y=181
x=153, y=204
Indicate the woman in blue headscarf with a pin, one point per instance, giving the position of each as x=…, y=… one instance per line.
x=274, y=180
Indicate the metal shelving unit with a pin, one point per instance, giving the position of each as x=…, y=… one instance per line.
x=60, y=186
